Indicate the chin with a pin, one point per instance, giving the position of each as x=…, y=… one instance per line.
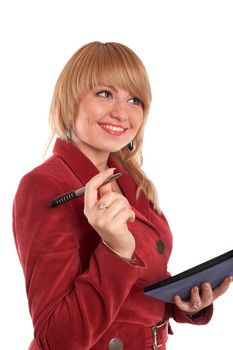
x=115, y=149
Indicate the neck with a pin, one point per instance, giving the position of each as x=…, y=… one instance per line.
x=100, y=164
x=98, y=158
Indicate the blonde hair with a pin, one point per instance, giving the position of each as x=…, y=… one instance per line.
x=97, y=64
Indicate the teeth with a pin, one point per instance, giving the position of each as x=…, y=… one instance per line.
x=114, y=128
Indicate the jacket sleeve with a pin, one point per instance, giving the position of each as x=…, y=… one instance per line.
x=201, y=318
x=70, y=308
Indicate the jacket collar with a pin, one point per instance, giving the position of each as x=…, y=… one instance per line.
x=80, y=165
x=84, y=170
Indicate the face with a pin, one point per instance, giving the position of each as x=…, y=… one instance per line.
x=106, y=120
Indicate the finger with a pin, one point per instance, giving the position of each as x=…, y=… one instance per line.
x=115, y=208
x=124, y=215
x=206, y=293
x=112, y=198
x=195, y=299
x=191, y=306
x=132, y=216
x=196, y=302
x=182, y=305
x=223, y=287
x=91, y=188
x=105, y=189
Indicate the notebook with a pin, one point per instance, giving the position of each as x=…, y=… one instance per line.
x=213, y=271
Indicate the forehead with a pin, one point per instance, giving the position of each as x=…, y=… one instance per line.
x=114, y=77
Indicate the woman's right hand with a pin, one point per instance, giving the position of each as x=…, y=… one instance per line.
x=111, y=222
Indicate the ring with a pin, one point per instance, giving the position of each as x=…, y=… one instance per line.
x=101, y=206
x=195, y=306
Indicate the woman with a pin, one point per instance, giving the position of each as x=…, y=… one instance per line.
x=87, y=261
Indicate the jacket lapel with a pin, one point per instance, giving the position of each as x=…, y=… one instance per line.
x=79, y=164
x=140, y=205
x=84, y=170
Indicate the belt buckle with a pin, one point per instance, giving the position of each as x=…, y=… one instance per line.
x=154, y=332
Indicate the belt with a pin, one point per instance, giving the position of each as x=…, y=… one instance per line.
x=157, y=335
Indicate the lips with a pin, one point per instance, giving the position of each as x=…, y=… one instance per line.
x=113, y=129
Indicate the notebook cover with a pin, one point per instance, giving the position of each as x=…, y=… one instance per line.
x=213, y=271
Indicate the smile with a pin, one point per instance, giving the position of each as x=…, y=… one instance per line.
x=112, y=129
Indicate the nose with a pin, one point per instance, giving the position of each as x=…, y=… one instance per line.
x=119, y=110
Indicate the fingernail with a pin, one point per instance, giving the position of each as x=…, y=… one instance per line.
x=196, y=290
x=206, y=285
x=110, y=170
x=230, y=279
x=175, y=298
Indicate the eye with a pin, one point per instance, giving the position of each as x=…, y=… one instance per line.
x=135, y=101
x=104, y=93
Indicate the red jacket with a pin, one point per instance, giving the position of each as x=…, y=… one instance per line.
x=81, y=295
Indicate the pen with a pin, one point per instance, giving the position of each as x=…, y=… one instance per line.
x=77, y=193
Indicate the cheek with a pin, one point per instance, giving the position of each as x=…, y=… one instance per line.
x=81, y=117
x=86, y=119
x=91, y=113
x=97, y=111
x=138, y=118
x=80, y=123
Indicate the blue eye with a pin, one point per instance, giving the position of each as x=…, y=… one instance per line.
x=135, y=101
x=104, y=93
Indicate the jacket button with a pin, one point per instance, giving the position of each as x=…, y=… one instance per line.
x=116, y=344
x=160, y=246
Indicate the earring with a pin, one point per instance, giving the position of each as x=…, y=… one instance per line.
x=68, y=134
x=131, y=146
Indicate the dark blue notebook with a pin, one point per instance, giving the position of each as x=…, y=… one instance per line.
x=213, y=271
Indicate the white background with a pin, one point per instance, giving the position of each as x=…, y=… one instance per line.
x=188, y=51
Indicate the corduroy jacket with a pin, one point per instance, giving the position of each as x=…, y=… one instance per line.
x=81, y=295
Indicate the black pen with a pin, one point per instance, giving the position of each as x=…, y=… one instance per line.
x=77, y=193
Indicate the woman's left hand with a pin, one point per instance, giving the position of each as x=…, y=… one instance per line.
x=203, y=298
